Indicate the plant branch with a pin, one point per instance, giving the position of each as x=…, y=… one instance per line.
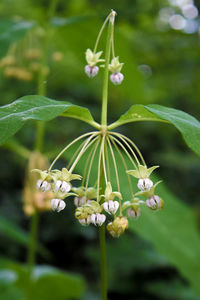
x=106, y=71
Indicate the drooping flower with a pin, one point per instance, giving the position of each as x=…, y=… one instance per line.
x=155, y=202
x=57, y=204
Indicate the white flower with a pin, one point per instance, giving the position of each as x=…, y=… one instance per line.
x=145, y=184
x=43, y=185
x=62, y=186
x=91, y=71
x=79, y=201
x=132, y=213
x=85, y=221
x=111, y=206
x=57, y=204
x=98, y=219
x=116, y=78
x=155, y=202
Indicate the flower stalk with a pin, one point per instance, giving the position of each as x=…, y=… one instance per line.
x=102, y=238
x=106, y=71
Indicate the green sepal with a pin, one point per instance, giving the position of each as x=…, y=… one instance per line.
x=45, y=175
x=87, y=210
x=142, y=171
x=93, y=58
x=115, y=65
x=109, y=194
x=80, y=191
x=134, y=203
x=91, y=193
x=61, y=195
x=93, y=207
x=65, y=175
x=126, y=205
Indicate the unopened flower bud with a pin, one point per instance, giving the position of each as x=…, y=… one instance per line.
x=98, y=219
x=118, y=226
x=86, y=221
x=91, y=71
x=116, y=78
x=133, y=213
x=145, y=184
x=57, y=204
x=43, y=185
x=111, y=206
x=155, y=202
x=62, y=186
x=79, y=201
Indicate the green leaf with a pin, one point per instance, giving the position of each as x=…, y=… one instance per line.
x=134, y=114
x=12, y=31
x=51, y=284
x=14, y=115
x=48, y=283
x=185, y=123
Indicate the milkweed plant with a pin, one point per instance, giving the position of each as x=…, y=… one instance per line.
x=94, y=203
x=102, y=204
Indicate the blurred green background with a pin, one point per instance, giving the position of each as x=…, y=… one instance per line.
x=158, y=41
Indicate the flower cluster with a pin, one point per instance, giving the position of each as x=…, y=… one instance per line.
x=93, y=58
x=93, y=205
x=59, y=182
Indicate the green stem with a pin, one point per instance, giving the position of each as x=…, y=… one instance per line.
x=106, y=71
x=32, y=252
x=102, y=243
x=33, y=240
x=102, y=240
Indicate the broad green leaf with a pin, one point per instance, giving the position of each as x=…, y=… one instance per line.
x=12, y=31
x=51, y=284
x=48, y=283
x=185, y=123
x=134, y=114
x=14, y=115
